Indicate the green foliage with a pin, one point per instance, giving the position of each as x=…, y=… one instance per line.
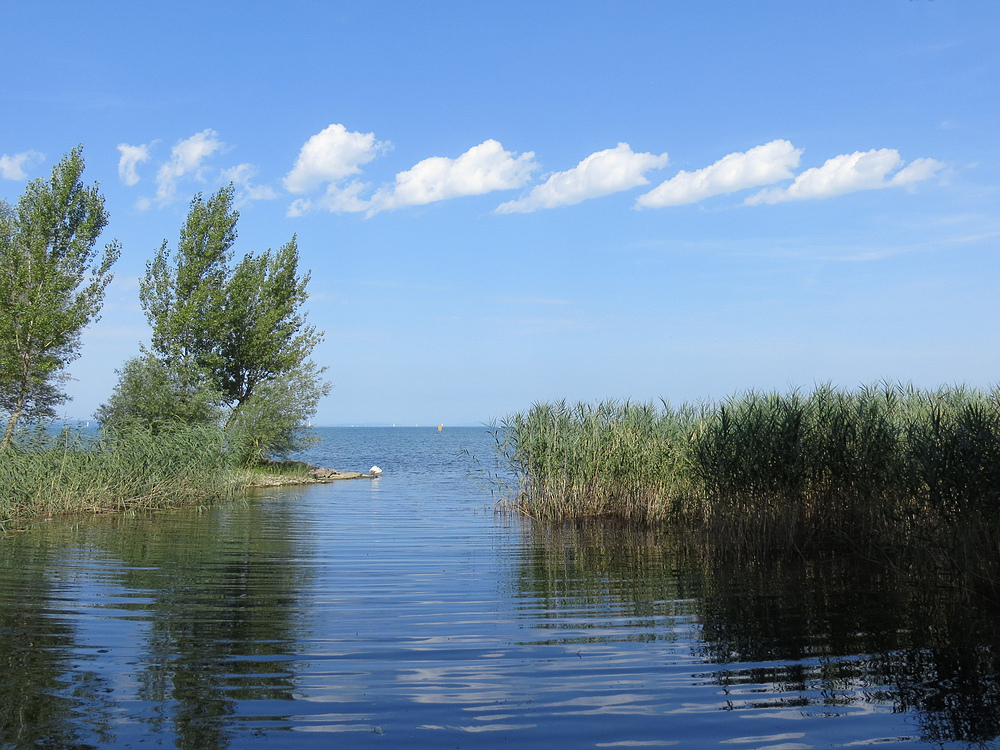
x=184, y=296
x=152, y=394
x=265, y=337
x=52, y=284
x=767, y=470
x=274, y=423
x=609, y=459
x=236, y=331
x=130, y=468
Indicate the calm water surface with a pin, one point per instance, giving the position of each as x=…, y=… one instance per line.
x=400, y=612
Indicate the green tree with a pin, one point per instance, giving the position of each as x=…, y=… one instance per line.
x=237, y=330
x=274, y=422
x=52, y=284
x=150, y=394
x=263, y=336
x=183, y=295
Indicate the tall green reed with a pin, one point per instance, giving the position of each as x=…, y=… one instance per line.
x=47, y=473
x=767, y=470
x=611, y=458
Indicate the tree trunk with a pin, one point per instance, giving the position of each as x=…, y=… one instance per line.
x=8, y=435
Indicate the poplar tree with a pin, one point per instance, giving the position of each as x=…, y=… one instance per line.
x=183, y=293
x=52, y=285
x=237, y=330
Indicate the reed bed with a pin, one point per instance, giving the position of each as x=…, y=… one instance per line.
x=131, y=469
x=876, y=465
x=609, y=459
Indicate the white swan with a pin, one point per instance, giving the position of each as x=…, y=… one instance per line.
x=375, y=471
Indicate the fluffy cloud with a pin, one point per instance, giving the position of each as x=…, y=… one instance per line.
x=481, y=169
x=130, y=157
x=601, y=173
x=185, y=159
x=12, y=167
x=332, y=155
x=761, y=165
x=847, y=173
x=240, y=174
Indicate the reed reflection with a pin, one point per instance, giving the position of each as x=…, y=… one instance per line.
x=822, y=634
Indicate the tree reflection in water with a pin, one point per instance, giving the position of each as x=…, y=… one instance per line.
x=38, y=682
x=201, y=630
x=219, y=595
x=838, y=630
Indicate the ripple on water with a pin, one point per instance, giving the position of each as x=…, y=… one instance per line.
x=399, y=612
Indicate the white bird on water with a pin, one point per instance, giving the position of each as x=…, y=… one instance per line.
x=375, y=471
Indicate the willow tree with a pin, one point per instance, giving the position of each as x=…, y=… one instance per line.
x=236, y=329
x=52, y=284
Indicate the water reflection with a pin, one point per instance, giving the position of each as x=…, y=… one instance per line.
x=38, y=682
x=193, y=617
x=824, y=636
x=400, y=614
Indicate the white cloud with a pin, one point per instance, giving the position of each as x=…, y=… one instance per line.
x=332, y=155
x=761, y=165
x=240, y=175
x=336, y=200
x=481, y=169
x=12, y=167
x=601, y=173
x=848, y=173
x=299, y=207
x=185, y=159
x=130, y=157
x=917, y=171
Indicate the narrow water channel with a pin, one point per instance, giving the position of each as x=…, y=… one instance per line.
x=400, y=612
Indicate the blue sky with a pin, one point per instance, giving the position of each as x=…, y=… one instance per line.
x=502, y=203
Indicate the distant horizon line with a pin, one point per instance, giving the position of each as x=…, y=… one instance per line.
x=94, y=422
x=399, y=424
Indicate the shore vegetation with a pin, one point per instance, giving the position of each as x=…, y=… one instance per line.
x=225, y=388
x=45, y=473
x=875, y=468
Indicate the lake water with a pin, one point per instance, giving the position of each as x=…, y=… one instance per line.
x=401, y=612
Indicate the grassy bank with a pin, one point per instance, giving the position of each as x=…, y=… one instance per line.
x=47, y=474
x=879, y=465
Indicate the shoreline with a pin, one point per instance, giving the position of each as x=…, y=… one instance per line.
x=299, y=472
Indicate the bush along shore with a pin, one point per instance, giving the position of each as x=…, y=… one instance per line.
x=875, y=468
